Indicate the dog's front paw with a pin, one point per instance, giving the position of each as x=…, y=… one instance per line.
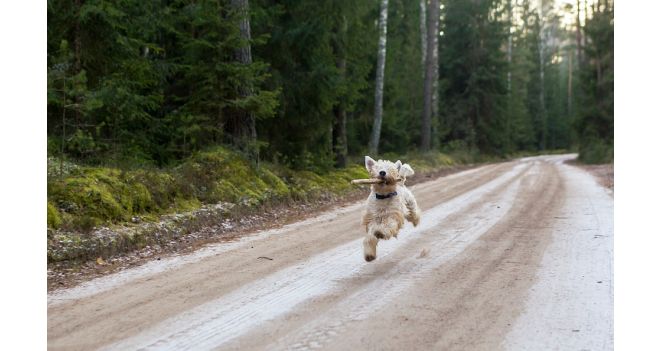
x=416, y=220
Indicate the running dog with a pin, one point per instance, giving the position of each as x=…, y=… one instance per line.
x=388, y=204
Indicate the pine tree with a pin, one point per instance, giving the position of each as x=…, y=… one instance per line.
x=244, y=126
x=305, y=83
x=473, y=71
x=595, y=116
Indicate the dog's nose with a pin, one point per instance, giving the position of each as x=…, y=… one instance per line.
x=382, y=173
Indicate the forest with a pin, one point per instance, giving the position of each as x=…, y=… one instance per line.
x=160, y=107
x=307, y=84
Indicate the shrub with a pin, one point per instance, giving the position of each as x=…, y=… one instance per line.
x=96, y=195
x=595, y=151
x=53, y=218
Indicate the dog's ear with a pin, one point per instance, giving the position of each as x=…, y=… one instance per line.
x=406, y=171
x=369, y=163
x=398, y=164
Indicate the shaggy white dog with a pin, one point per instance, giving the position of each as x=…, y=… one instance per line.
x=388, y=204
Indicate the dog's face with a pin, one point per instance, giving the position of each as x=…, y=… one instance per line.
x=388, y=171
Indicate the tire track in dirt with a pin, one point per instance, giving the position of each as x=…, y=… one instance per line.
x=364, y=317
x=456, y=184
x=275, y=295
x=403, y=271
x=116, y=307
x=486, y=229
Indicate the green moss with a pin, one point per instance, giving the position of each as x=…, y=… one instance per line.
x=141, y=200
x=162, y=187
x=221, y=175
x=426, y=162
x=340, y=180
x=95, y=195
x=53, y=218
x=181, y=204
x=305, y=185
x=88, y=197
x=276, y=187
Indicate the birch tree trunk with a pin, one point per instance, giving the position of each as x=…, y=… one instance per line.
x=423, y=35
x=508, y=116
x=434, y=96
x=509, y=47
x=380, y=69
x=428, y=92
x=579, y=41
x=244, y=129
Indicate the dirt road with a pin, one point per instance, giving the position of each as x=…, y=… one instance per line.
x=516, y=256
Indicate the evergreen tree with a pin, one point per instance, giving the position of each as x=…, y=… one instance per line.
x=303, y=52
x=473, y=74
x=304, y=82
x=519, y=132
x=595, y=116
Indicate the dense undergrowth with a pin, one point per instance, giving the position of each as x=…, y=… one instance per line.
x=596, y=151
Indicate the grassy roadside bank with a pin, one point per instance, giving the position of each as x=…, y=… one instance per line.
x=101, y=212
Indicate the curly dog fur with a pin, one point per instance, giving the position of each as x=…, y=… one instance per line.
x=388, y=204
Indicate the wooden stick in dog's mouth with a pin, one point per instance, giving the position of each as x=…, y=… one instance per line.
x=370, y=181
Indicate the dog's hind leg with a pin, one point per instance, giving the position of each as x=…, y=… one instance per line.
x=392, y=224
x=369, y=246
